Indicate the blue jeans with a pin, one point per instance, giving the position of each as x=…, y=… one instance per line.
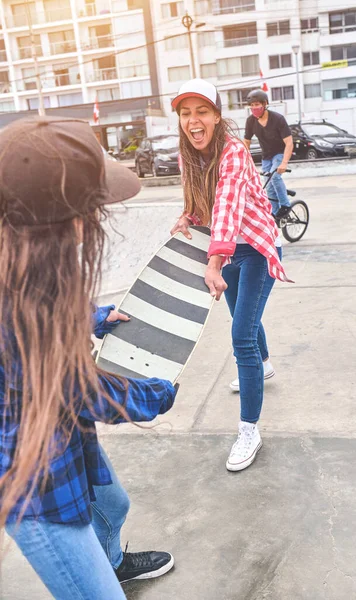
x=77, y=561
x=276, y=189
x=249, y=286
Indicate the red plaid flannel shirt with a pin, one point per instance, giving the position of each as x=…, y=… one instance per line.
x=242, y=208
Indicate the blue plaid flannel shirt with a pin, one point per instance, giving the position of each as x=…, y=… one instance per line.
x=79, y=466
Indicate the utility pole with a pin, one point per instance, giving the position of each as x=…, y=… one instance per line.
x=296, y=49
x=187, y=21
x=41, y=109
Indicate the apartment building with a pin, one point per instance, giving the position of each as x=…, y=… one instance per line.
x=234, y=40
x=86, y=49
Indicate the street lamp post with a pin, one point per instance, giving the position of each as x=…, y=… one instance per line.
x=187, y=21
x=296, y=49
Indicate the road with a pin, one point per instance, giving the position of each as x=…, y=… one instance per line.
x=284, y=529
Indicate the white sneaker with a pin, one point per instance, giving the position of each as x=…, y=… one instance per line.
x=268, y=371
x=244, y=450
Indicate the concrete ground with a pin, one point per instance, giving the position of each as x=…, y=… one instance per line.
x=284, y=529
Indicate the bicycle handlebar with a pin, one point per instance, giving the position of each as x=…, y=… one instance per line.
x=270, y=175
x=266, y=174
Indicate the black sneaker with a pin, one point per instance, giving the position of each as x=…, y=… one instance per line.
x=282, y=212
x=144, y=565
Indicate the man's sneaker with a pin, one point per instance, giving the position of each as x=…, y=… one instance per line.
x=282, y=212
x=268, y=373
x=144, y=565
x=244, y=450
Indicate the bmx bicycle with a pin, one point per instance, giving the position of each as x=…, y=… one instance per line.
x=293, y=223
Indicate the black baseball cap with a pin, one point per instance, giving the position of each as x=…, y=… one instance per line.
x=53, y=169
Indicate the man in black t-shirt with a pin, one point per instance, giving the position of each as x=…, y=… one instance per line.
x=274, y=135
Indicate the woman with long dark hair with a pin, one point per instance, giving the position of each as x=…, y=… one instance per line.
x=59, y=496
x=223, y=189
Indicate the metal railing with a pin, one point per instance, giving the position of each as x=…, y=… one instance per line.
x=103, y=74
x=63, y=47
x=241, y=41
x=102, y=41
x=91, y=10
x=134, y=71
x=5, y=87
x=61, y=79
x=26, y=51
x=38, y=18
x=233, y=6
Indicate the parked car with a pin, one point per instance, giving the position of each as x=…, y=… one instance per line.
x=317, y=139
x=158, y=155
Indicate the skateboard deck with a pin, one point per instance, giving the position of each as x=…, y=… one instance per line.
x=169, y=304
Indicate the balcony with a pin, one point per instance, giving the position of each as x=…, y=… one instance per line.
x=222, y=7
x=103, y=41
x=134, y=71
x=26, y=52
x=3, y=56
x=5, y=87
x=102, y=75
x=39, y=18
x=91, y=10
x=229, y=43
x=63, y=47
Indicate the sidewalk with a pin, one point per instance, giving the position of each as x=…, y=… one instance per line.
x=284, y=529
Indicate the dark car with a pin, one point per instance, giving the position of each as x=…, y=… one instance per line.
x=158, y=156
x=319, y=139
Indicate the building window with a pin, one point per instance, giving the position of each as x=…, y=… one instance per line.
x=108, y=94
x=136, y=89
x=232, y=6
x=172, y=9
x=7, y=106
x=240, y=35
x=340, y=22
x=309, y=25
x=176, y=43
x=206, y=38
x=34, y=103
x=70, y=99
x=62, y=41
x=346, y=52
x=24, y=46
x=240, y=66
x=209, y=70
x=310, y=58
x=283, y=93
x=250, y=65
x=133, y=63
x=202, y=7
x=280, y=61
x=3, y=57
x=134, y=4
x=19, y=14
x=278, y=28
x=336, y=89
x=178, y=73
x=312, y=90
x=238, y=98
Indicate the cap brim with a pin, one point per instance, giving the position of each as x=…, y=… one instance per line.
x=121, y=182
x=181, y=97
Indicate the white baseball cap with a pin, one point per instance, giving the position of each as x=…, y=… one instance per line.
x=198, y=88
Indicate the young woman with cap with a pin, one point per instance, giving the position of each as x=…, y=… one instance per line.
x=222, y=189
x=59, y=497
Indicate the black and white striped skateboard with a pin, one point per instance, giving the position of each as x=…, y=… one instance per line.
x=169, y=304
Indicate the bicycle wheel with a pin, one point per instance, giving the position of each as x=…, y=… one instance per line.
x=295, y=224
